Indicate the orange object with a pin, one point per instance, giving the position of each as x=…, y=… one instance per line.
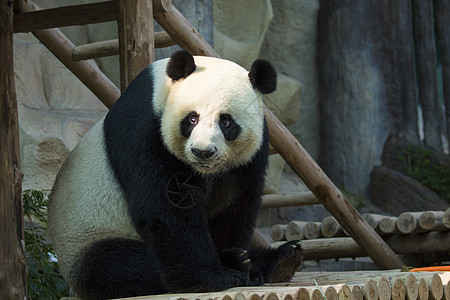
x=431, y=269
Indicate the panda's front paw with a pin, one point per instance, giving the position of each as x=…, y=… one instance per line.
x=235, y=258
x=289, y=257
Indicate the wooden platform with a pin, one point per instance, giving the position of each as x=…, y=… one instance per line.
x=359, y=285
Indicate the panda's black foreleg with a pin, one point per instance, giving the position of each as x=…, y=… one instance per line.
x=116, y=268
x=277, y=264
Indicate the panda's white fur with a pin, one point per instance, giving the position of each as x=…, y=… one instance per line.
x=76, y=220
x=228, y=91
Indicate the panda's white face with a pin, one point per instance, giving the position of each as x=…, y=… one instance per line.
x=213, y=119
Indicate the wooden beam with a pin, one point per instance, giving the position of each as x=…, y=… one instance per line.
x=285, y=200
x=136, y=44
x=340, y=247
x=13, y=273
x=111, y=47
x=87, y=71
x=73, y=15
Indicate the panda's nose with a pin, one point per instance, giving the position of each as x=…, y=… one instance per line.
x=203, y=154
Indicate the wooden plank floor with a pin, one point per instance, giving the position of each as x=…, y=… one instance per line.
x=354, y=285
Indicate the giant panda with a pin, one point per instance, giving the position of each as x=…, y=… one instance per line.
x=161, y=195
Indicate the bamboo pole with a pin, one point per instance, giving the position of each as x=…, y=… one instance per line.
x=111, y=47
x=13, y=270
x=87, y=71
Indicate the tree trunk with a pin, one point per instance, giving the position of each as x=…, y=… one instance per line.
x=442, y=12
x=427, y=71
x=13, y=274
x=367, y=85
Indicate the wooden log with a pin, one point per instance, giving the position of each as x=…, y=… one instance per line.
x=426, y=65
x=303, y=294
x=136, y=44
x=111, y=47
x=422, y=290
x=435, y=286
x=384, y=289
x=317, y=295
x=418, y=243
x=398, y=290
x=407, y=222
x=442, y=14
x=330, y=227
x=86, y=71
x=373, y=220
x=446, y=218
x=431, y=220
x=357, y=292
x=285, y=200
x=277, y=232
x=331, y=293
x=446, y=295
x=312, y=230
x=387, y=225
x=13, y=270
x=370, y=290
x=345, y=293
x=74, y=15
x=295, y=230
x=412, y=288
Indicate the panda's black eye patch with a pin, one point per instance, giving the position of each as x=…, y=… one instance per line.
x=229, y=127
x=188, y=123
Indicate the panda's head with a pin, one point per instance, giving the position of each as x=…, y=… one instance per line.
x=212, y=115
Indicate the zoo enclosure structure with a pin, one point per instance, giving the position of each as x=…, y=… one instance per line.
x=136, y=50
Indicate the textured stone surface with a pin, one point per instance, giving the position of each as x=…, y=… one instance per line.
x=290, y=44
x=55, y=111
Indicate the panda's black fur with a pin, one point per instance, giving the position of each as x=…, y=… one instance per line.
x=194, y=229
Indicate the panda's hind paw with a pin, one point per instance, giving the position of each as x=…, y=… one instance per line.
x=289, y=257
x=235, y=258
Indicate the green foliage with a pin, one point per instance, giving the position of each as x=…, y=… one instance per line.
x=44, y=278
x=424, y=168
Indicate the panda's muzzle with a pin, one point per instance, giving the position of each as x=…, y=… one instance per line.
x=204, y=154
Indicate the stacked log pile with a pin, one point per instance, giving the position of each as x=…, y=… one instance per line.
x=409, y=233
x=361, y=285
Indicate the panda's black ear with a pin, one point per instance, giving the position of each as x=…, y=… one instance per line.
x=263, y=76
x=180, y=65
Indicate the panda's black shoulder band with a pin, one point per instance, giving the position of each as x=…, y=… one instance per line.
x=180, y=65
x=263, y=76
